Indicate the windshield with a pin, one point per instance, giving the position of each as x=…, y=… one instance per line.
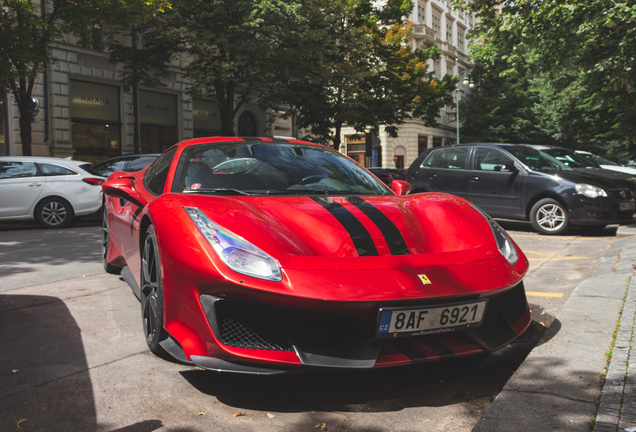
x=536, y=159
x=245, y=168
x=570, y=158
x=597, y=159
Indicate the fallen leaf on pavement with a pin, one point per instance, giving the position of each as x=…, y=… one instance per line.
x=201, y=413
x=14, y=370
x=321, y=426
x=270, y=415
x=239, y=414
x=20, y=422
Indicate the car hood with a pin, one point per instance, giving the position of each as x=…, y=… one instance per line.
x=386, y=231
x=597, y=177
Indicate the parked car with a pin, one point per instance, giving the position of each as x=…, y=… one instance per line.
x=129, y=163
x=580, y=163
x=267, y=256
x=606, y=163
x=52, y=191
x=517, y=181
x=387, y=175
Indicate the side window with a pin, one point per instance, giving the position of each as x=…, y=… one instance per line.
x=429, y=160
x=55, y=170
x=489, y=159
x=156, y=176
x=452, y=158
x=141, y=163
x=17, y=169
x=108, y=168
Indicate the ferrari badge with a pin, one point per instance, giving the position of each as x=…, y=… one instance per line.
x=425, y=280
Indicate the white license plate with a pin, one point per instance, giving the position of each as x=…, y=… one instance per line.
x=629, y=205
x=396, y=322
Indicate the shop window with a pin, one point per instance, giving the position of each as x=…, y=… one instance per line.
x=158, y=121
x=95, y=125
x=422, y=144
x=206, y=116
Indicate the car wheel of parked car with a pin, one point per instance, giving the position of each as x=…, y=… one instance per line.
x=152, y=294
x=548, y=216
x=105, y=243
x=54, y=212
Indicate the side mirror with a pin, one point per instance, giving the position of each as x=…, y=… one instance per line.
x=507, y=168
x=123, y=188
x=400, y=187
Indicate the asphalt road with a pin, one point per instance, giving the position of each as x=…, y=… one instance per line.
x=74, y=358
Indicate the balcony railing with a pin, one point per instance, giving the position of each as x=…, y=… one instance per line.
x=421, y=30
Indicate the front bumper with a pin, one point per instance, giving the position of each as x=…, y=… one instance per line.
x=332, y=340
x=601, y=211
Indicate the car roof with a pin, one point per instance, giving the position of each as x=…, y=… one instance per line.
x=42, y=159
x=129, y=156
x=252, y=140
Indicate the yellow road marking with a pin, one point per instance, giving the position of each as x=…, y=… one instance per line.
x=552, y=257
x=542, y=294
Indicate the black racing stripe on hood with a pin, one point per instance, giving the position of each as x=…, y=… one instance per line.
x=404, y=346
x=437, y=346
x=391, y=233
x=359, y=235
x=134, y=218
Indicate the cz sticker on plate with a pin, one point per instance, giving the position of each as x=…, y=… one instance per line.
x=400, y=322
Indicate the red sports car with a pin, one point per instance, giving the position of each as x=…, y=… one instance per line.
x=264, y=256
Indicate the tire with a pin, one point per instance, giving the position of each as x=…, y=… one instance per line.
x=548, y=216
x=105, y=243
x=54, y=212
x=152, y=294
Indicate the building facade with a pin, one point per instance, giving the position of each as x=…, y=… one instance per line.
x=434, y=22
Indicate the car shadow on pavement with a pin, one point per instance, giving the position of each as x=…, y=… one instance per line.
x=474, y=379
x=510, y=225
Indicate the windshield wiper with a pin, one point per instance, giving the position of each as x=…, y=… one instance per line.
x=299, y=192
x=220, y=191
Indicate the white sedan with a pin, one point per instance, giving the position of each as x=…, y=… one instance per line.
x=52, y=191
x=606, y=164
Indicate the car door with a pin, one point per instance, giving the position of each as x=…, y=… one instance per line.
x=21, y=183
x=495, y=183
x=448, y=171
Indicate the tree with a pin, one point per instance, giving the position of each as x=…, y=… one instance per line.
x=592, y=43
x=234, y=46
x=27, y=32
x=356, y=68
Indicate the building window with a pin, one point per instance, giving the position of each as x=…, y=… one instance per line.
x=421, y=13
x=437, y=66
x=437, y=19
x=422, y=143
x=449, y=31
x=158, y=121
x=95, y=124
x=437, y=141
x=206, y=118
x=460, y=40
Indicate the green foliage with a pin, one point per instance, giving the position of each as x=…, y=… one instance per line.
x=579, y=59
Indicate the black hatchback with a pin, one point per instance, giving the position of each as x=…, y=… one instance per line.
x=516, y=181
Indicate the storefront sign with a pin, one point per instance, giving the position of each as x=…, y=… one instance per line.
x=157, y=108
x=94, y=101
x=206, y=115
x=282, y=124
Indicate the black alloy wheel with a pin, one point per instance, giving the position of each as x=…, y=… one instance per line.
x=54, y=212
x=548, y=216
x=105, y=243
x=152, y=294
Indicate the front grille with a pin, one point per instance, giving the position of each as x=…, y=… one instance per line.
x=248, y=325
x=509, y=306
x=620, y=193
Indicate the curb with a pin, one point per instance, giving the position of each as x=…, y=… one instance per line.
x=558, y=385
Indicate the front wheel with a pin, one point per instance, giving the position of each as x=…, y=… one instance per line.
x=152, y=294
x=548, y=216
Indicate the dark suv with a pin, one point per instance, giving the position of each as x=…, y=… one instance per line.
x=516, y=181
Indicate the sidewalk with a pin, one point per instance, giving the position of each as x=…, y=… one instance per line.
x=559, y=385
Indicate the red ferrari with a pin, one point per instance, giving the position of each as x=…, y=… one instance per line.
x=267, y=255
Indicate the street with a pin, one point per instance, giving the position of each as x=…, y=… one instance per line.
x=74, y=356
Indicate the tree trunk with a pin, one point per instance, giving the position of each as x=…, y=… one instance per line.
x=225, y=95
x=336, y=137
x=23, y=101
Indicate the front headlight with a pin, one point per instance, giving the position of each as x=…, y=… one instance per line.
x=504, y=242
x=589, y=190
x=234, y=251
